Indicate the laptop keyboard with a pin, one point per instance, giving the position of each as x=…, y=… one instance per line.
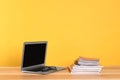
x=45, y=68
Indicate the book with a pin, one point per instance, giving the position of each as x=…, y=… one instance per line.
x=86, y=73
x=85, y=66
x=87, y=61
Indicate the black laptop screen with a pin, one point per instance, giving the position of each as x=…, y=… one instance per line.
x=34, y=53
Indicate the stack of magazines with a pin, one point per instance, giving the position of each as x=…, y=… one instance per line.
x=85, y=66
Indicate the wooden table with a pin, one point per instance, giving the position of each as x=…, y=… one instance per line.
x=14, y=73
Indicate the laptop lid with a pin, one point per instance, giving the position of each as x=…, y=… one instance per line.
x=33, y=54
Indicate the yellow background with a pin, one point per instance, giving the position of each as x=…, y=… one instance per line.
x=89, y=28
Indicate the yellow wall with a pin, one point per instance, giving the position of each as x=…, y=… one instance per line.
x=73, y=28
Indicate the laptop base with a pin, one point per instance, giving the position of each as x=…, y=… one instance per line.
x=44, y=70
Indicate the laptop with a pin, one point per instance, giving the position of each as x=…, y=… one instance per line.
x=33, y=59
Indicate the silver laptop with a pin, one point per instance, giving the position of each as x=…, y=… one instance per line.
x=33, y=60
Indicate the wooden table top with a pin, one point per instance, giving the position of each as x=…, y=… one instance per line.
x=14, y=73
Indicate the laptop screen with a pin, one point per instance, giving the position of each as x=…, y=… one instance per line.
x=34, y=53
